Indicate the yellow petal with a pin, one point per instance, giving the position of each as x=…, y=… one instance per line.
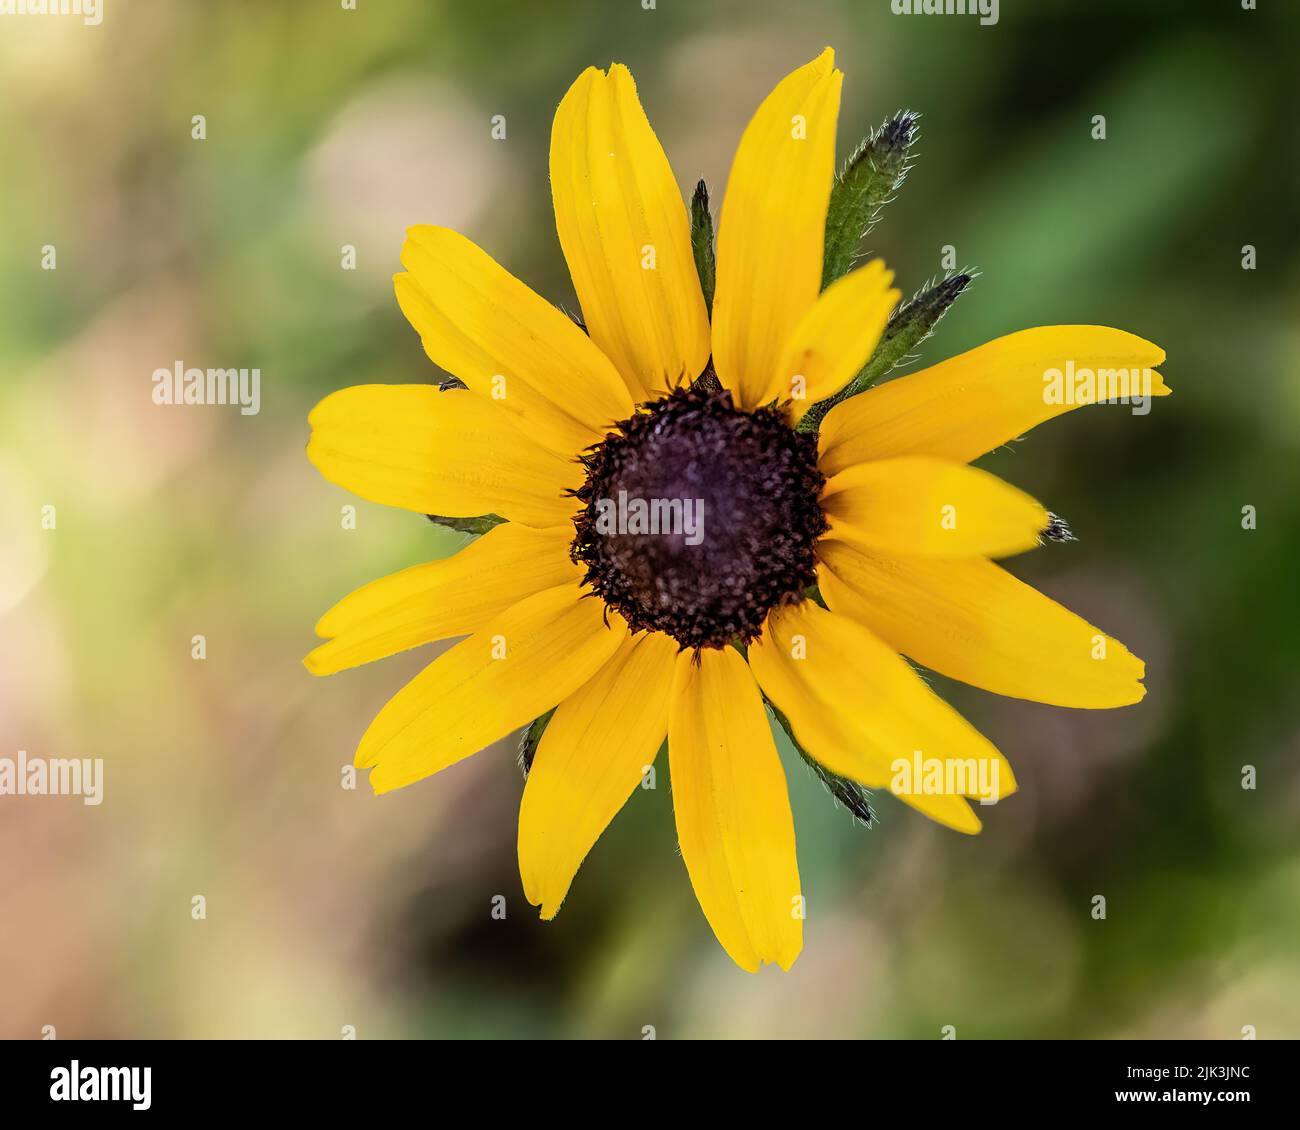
x=834, y=338
x=733, y=811
x=503, y=340
x=972, y=620
x=772, y=228
x=592, y=756
x=625, y=234
x=963, y=407
x=915, y=504
x=858, y=707
x=453, y=453
x=439, y=599
x=526, y=660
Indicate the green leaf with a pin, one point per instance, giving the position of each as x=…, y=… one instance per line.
x=702, y=242
x=479, y=525
x=850, y=794
x=531, y=739
x=867, y=183
x=910, y=325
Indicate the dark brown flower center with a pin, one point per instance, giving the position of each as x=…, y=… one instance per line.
x=699, y=518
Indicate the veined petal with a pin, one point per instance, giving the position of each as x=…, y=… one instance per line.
x=972, y=620
x=479, y=322
x=918, y=505
x=439, y=599
x=733, y=811
x=970, y=404
x=626, y=237
x=858, y=707
x=453, y=453
x=834, y=339
x=530, y=657
x=592, y=756
x=772, y=229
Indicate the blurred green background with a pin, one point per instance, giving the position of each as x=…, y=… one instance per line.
x=329, y=907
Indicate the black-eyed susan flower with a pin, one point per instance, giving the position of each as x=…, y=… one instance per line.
x=824, y=554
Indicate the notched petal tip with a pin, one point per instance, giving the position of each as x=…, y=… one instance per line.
x=580, y=85
x=1139, y=683
x=1130, y=690
x=539, y=886
x=318, y=455
x=317, y=415
x=787, y=960
x=1157, y=357
x=432, y=239
x=312, y=662
x=417, y=234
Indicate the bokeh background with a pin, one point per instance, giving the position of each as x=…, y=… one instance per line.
x=328, y=907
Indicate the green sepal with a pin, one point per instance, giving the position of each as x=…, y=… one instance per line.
x=909, y=326
x=702, y=242
x=479, y=525
x=531, y=739
x=853, y=796
x=867, y=183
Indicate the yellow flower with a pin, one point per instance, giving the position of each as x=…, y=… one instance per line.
x=634, y=637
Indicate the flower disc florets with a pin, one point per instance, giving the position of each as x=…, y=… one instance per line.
x=700, y=518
